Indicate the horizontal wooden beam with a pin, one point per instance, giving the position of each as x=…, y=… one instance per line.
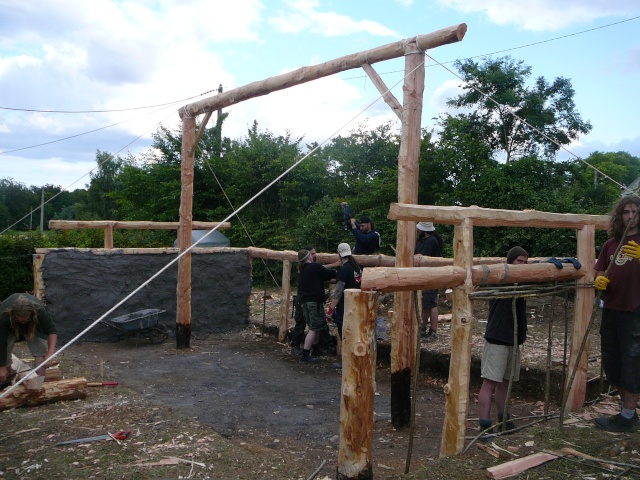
x=492, y=217
x=302, y=75
x=131, y=225
x=391, y=279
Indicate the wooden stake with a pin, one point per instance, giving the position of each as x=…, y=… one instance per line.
x=286, y=297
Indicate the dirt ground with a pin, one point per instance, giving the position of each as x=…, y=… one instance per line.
x=242, y=406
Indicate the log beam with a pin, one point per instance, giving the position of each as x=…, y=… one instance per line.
x=131, y=225
x=302, y=75
x=70, y=389
x=389, y=279
x=387, y=96
x=493, y=217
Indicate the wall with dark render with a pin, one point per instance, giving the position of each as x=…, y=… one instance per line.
x=81, y=285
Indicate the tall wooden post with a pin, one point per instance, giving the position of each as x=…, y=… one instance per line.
x=358, y=386
x=183, y=315
x=457, y=388
x=582, y=311
x=284, y=305
x=404, y=328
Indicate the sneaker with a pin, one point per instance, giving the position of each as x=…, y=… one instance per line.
x=617, y=423
x=309, y=359
x=430, y=336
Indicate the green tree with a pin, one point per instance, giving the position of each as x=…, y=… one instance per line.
x=546, y=106
x=104, y=184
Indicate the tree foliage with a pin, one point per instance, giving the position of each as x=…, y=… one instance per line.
x=461, y=163
x=501, y=101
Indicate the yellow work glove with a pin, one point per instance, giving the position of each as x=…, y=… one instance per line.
x=632, y=249
x=602, y=282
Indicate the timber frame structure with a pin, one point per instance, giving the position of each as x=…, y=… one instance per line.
x=413, y=49
x=403, y=278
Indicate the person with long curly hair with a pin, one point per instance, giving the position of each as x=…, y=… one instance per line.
x=620, y=325
x=24, y=318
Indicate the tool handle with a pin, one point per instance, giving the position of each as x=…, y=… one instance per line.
x=102, y=384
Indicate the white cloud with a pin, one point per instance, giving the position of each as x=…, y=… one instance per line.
x=442, y=93
x=541, y=15
x=305, y=16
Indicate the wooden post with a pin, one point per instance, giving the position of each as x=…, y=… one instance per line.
x=38, y=281
x=358, y=385
x=284, y=305
x=582, y=310
x=457, y=389
x=404, y=329
x=183, y=315
x=108, y=236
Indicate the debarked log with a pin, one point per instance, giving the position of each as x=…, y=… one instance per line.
x=391, y=279
x=70, y=389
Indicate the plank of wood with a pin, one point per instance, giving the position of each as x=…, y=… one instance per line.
x=491, y=451
x=519, y=465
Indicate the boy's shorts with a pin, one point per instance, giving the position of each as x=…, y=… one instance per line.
x=497, y=361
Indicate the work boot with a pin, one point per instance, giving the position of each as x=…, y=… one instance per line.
x=617, y=423
x=508, y=425
x=430, y=336
x=486, y=429
x=307, y=358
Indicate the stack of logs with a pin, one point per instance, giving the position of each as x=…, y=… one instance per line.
x=35, y=392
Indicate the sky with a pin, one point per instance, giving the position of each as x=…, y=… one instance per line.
x=120, y=69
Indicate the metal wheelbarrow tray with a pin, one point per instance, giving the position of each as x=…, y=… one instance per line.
x=143, y=322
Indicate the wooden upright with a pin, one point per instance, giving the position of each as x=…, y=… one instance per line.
x=404, y=328
x=183, y=320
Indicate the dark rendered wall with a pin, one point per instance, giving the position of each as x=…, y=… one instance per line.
x=82, y=285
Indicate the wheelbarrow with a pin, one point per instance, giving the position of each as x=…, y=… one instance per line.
x=143, y=323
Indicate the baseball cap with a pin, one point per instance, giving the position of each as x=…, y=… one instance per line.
x=365, y=219
x=344, y=250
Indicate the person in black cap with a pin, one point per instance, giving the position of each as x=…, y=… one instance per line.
x=499, y=352
x=367, y=239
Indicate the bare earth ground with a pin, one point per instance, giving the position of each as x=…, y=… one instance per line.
x=241, y=406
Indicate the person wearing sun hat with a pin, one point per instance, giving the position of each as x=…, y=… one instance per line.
x=429, y=243
x=349, y=276
x=311, y=296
